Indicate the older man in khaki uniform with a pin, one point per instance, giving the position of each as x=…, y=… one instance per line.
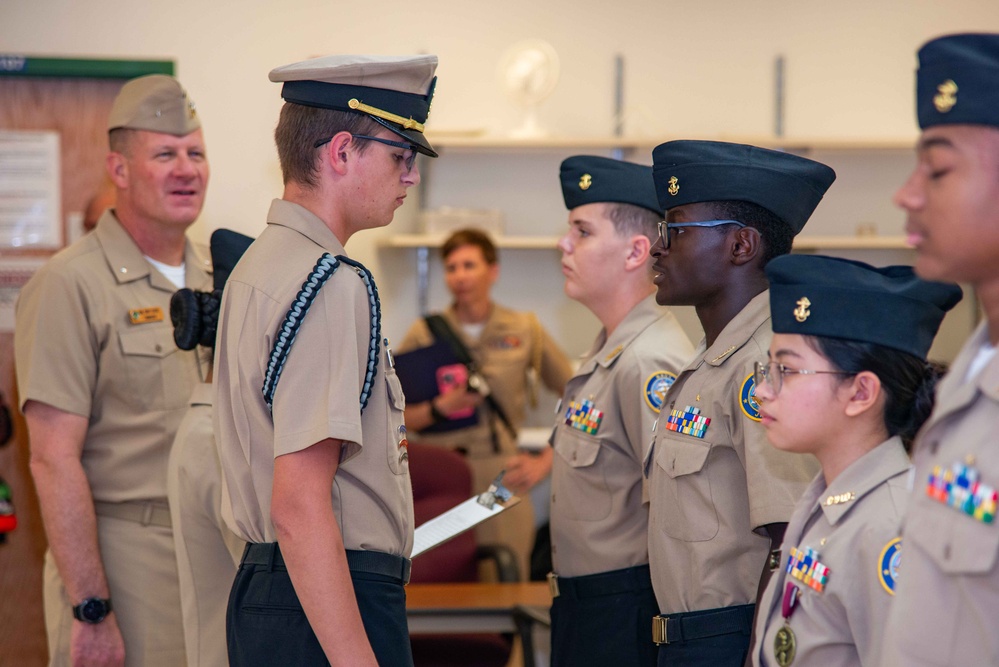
x=309, y=410
x=603, y=597
x=948, y=597
x=103, y=389
x=720, y=495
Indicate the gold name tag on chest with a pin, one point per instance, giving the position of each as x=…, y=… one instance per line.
x=145, y=315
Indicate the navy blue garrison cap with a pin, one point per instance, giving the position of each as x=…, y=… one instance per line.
x=787, y=185
x=588, y=179
x=958, y=81
x=227, y=247
x=814, y=295
x=395, y=91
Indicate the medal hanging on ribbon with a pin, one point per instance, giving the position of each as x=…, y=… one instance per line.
x=785, y=643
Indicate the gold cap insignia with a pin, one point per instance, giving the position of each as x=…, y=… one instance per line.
x=674, y=185
x=585, y=181
x=801, y=313
x=946, y=96
x=192, y=111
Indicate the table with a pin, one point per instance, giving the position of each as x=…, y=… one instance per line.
x=471, y=607
x=481, y=608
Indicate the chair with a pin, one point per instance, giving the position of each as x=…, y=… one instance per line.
x=442, y=479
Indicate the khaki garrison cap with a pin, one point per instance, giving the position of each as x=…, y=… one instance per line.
x=155, y=103
x=395, y=91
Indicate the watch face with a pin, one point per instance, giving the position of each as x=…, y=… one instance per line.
x=94, y=610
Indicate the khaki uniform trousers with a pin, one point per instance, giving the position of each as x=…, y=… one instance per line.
x=141, y=568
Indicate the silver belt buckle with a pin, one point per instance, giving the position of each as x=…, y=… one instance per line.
x=553, y=584
x=659, y=630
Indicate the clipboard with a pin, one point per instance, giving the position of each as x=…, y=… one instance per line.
x=456, y=521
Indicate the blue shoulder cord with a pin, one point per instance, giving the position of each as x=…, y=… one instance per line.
x=288, y=331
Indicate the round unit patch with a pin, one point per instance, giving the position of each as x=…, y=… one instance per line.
x=747, y=399
x=656, y=387
x=888, y=564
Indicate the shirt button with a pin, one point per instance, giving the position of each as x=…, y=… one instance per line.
x=123, y=270
x=159, y=348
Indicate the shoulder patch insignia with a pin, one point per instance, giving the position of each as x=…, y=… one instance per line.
x=888, y=565
x=656, y=386
x=747, y=399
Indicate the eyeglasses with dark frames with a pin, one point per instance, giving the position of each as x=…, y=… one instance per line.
x=666, y=227
x=772, y=373
x=409, y=161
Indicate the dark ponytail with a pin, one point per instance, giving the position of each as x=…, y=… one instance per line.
x=195, y=317
x=908, y=381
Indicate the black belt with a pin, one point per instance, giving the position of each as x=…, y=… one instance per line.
x=370, y=562
x=628, y=580
x=679, y=628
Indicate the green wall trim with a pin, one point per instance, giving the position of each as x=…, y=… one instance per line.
x=18, y=65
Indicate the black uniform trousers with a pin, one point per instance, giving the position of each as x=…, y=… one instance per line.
x=604, y=619
x=709, y=638
x=266, y=626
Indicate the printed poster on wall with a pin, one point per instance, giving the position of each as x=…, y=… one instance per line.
x=30, y=206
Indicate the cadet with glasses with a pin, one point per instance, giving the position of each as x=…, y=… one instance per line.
x=847, y=382
x=309, y=410
x=720, y=496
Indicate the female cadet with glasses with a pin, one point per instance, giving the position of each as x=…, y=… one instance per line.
x=847, y=381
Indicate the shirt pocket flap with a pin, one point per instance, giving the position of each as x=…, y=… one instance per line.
x=577, y=449
x=678, y=457
x=396, y=394
x=957, y=543
x=151, y=342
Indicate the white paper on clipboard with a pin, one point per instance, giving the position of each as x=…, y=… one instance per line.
x=455, y=521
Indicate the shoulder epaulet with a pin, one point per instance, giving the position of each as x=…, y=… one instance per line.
x=325, y=267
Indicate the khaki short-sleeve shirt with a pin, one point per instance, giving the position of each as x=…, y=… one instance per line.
x=853, y=525
x=599, y=520
x=503, y=353
x=714, y=487
x=318, y=395
x=93, y=338
x=947, y=603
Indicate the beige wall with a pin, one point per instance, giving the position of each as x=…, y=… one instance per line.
x=693, y=69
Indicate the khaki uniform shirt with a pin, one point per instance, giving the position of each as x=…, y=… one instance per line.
x=948, y=601
x=318, y=396
x=503, y=354
x=94, y=338
x=599, y=517
x=713, y=491
x=854, y=526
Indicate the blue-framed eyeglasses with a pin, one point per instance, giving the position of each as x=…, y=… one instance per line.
x=410, y=160
x=666, y=227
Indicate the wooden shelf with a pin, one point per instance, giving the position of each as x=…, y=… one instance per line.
x=549, y=242
x=467, y=142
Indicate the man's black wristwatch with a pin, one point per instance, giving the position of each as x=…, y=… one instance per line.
x=92, y=610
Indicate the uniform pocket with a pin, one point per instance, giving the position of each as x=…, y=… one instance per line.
x=580, y=488
x=955, y=542
x=157, y=376
x=688, y=511
x=398, y=445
